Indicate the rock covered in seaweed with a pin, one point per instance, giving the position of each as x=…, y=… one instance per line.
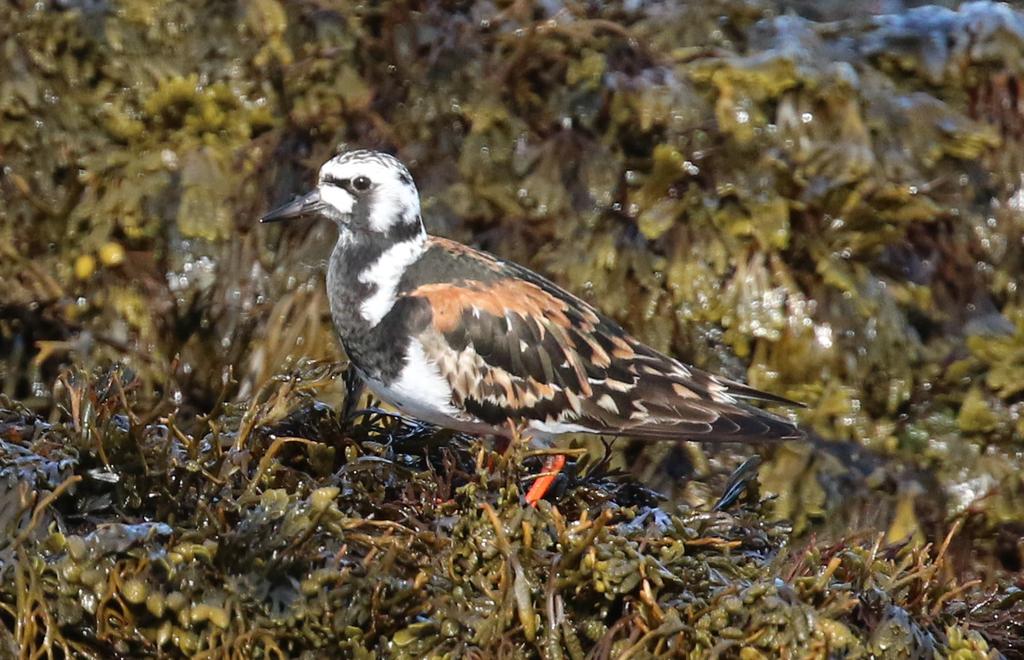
x=827, y=205
x=387, y=542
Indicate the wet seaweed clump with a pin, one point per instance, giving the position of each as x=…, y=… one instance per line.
x=281, y=528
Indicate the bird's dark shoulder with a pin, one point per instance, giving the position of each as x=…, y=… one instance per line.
x=446, y=261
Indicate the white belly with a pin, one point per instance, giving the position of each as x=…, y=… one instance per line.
x=415, y=407
x=421, y=392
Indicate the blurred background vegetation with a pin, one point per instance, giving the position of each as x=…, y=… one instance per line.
x=825, y=199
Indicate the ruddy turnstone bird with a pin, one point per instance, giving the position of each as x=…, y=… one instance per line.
x=462, y=339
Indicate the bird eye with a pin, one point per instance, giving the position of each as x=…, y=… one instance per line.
x=361, y=183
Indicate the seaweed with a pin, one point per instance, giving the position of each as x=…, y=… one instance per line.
x=825, y=204
x=283, y=529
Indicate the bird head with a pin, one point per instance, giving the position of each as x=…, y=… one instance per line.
x=366, y=193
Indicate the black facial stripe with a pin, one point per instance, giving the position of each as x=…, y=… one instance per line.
x=355, y=186
x=341, y=183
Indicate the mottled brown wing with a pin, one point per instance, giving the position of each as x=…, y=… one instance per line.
x=516, y=346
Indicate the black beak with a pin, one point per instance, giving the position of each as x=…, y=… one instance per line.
x=306, y=205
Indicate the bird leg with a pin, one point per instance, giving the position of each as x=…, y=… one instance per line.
x=553, y=465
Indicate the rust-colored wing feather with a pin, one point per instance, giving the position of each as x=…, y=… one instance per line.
x=513, y=345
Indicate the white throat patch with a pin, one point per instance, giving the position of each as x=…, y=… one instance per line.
x=386, y=272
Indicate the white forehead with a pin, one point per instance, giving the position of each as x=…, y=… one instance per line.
x=380, y=168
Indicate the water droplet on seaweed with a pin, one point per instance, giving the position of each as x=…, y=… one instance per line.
x=823, y=335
